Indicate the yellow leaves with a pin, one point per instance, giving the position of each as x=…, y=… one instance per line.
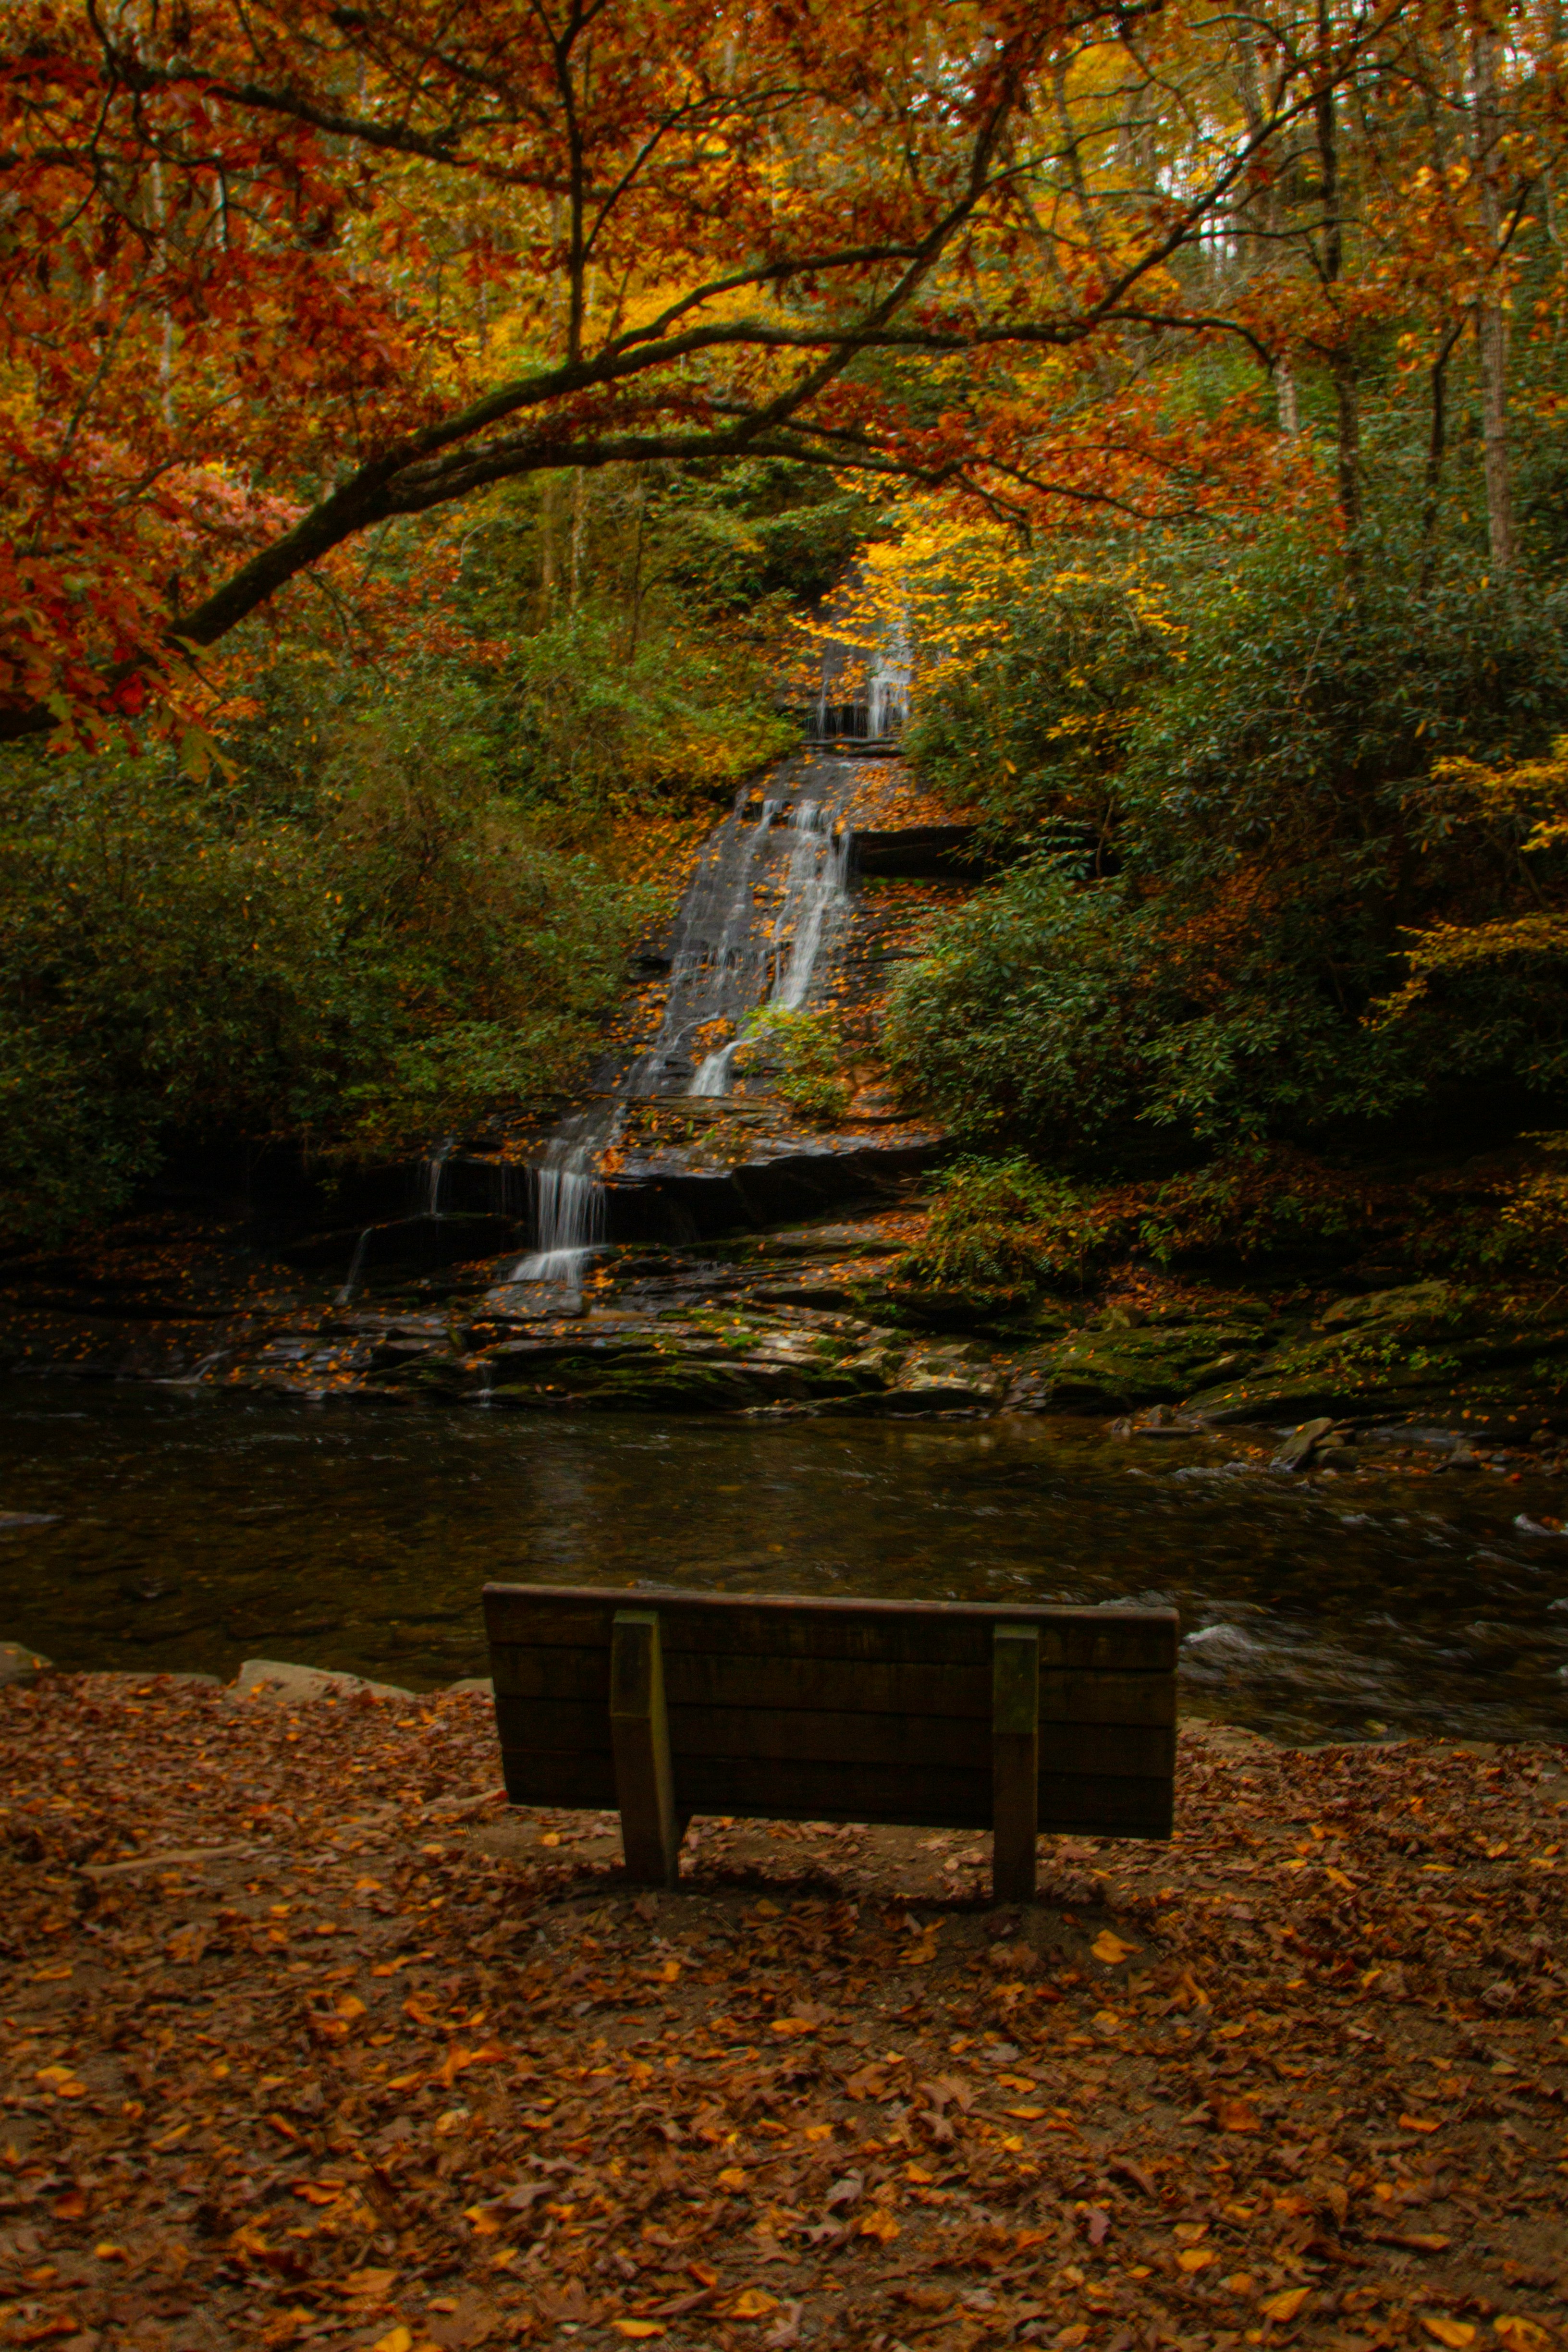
x=1025, y=2114
x=640, y=2331
x=876, y=2224
x=1236, y=2115
x=752, y=2302
x=1456, y=2334
x=1112, y=1950
x=1521, y=2335
x=732, y=2178
x=60, y=2083
x=1195, y=2258
x=368, y=2286
x=396, y=2340
x=1420, y=2123
x=1284, y=2308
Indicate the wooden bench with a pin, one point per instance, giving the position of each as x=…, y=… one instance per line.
x=926, y=1712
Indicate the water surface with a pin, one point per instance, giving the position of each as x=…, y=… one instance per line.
x=190, y=1530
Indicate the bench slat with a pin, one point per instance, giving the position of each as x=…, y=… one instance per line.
x=1098, y=1805
x=930, y=1633
x=579, y=1726
x=693, y=1679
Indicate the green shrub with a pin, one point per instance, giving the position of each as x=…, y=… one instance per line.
x=1007, y=1225
x=360, y=948
x=806, y=1048
x=1279, y=840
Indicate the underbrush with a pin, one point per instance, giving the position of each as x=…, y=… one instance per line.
x=1008, y=1224
x=805, y=1053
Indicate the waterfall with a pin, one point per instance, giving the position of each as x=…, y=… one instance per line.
x=569, y=1200
x=815, y=896
x=714, y=930
x=431, y=1171
x=760, y=911
x=875, y=711
x=356, y=1268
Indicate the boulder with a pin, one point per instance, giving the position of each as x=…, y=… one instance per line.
x=19, y=1663
x=1302, y=1443
x=531, y=1302
x=281, y=1680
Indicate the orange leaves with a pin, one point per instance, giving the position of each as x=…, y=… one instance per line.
x=59, y=2083
x=1283, y=2308
x=1111, y=1948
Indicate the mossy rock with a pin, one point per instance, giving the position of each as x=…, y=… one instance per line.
x=1419, y=1310
x=951, y=1307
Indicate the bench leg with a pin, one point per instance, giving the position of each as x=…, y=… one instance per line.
x=1015, y=1761
x=640, y=1741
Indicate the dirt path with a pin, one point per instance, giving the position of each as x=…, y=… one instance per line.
x=306, y=2038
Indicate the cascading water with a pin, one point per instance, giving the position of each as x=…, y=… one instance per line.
x=731, y=952
x=356, y=1268
x=568, y=1200
x=431, y=1171
x=865, y=700
x=815, y=896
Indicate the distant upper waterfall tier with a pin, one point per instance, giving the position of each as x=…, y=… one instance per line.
x=864, y=696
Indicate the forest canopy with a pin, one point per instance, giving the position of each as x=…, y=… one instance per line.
x=421, y=428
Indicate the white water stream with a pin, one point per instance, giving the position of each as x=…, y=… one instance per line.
x=761, y=911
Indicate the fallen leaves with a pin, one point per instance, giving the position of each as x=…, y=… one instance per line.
x=1283, y=2308
x=1521, y=2335
x=499, y=2075
x=1110, y=1949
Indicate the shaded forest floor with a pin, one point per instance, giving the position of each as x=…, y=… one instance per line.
x=308, y=2038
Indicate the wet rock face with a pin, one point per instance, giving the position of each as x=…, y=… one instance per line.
x=818, y=1320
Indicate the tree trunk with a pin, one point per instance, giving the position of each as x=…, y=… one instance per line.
x=1437, y=442
x=1492, y=323
x=1347, y=410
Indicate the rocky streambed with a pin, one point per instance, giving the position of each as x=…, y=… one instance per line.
x=821, y=1319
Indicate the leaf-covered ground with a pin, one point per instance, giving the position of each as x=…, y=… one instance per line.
x=308, y=2039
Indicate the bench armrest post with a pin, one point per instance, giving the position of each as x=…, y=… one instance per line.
x=1015, y=1761
x=640, y=1741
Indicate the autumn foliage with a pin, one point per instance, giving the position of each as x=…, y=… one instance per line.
x=278, y=278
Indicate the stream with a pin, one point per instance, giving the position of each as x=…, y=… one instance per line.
x=144, y=1528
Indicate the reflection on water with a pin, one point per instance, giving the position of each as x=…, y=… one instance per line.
x=191, y=1531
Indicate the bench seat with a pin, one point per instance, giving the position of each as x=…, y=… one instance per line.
x=930, y=1714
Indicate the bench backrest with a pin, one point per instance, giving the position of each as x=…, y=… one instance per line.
x=840, y=1710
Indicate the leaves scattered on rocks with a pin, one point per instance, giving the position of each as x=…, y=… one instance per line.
x=307, y=2037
